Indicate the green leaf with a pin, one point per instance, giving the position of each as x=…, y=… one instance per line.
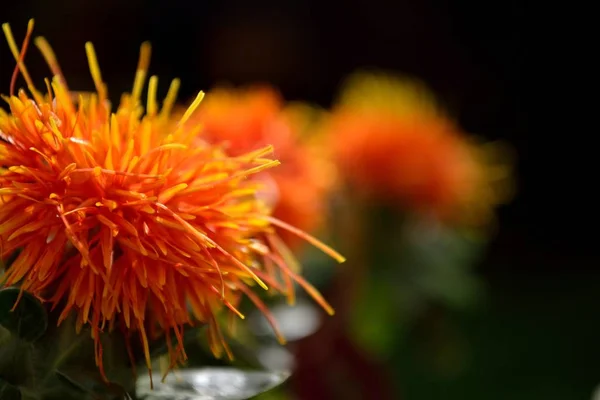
x=29, y=320
x=8, y=391
x=91, y=385
x=73, y=384
x=378, y=323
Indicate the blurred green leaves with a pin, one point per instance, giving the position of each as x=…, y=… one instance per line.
x=28, y=320
x=8, y=391
x=437, y=263
x=413, y=264
x=42, y=361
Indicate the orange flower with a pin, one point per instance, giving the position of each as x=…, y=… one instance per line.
x=127, y=219
x=391, y=142
x=242, y=120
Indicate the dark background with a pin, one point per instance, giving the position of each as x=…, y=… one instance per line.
x=538, y=336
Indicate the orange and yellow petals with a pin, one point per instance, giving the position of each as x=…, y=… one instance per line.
x=241, y=120
x=419, y=162
x=130, y=219
x=402, y=150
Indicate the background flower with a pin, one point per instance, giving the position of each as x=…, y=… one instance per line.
x=392, y=142
x=243, y=119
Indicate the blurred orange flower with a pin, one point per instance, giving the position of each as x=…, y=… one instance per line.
x=131, y=219
x=391, y=141
x=244, y=119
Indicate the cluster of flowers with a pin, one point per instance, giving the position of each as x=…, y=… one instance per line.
x=149, y=218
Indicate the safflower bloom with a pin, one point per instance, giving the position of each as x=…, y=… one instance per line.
x=242, y=119
x=391, y=141
x=131, y=219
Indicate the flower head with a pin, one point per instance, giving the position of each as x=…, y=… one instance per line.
x=130, y=218
x=243, y=119
x=391, y=141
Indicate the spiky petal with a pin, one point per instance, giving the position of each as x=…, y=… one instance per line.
x=130, y=218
